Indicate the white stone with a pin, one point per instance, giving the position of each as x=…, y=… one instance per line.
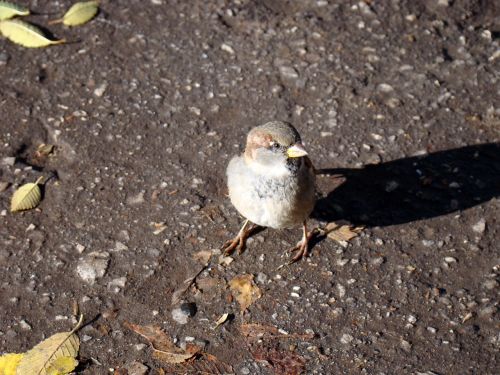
x=93, y=266
x=480, y=226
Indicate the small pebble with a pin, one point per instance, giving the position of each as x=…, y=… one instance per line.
x=480, y=226
x=179, y=316
x=288, y=72
x=405, y=345
x=118, y=282
x=93, y=266
x=346, y=338
x=490, y=284
x=25, y=325
x=183, y=312
x=99, y=91
x=136, y=368
x=10, y=161
x=341, y=290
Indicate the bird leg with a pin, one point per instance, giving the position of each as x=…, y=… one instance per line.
x=239, y=241
x=302, y=246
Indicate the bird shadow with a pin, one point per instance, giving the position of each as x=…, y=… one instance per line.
x=409, y=189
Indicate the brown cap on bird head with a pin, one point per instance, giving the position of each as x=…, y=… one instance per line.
x=277, y=134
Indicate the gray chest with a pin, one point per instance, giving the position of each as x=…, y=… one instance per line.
x=266, y=188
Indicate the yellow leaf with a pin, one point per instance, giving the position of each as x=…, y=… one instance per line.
x=9, y=10
x=25, y=34
x=9, y=363
x=244, y=290
x=80, y=13
x=39, y=360
x=26, y=197
x=62, y=366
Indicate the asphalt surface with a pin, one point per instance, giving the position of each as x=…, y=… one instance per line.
x=398, y=103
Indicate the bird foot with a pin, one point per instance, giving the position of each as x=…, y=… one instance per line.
x=302, y=247
x=236, y=243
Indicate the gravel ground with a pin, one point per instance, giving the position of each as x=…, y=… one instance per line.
x=398, y=102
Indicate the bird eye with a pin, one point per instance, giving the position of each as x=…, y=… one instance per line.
x=274, y=145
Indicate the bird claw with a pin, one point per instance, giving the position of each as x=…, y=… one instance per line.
x=231, y=245
x=301, y=248
x=239, y=241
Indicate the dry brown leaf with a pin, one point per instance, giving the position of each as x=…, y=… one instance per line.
x=164, y=348
x=342, y=233
x=177, y=295
x=44, y=150
x=158, y=339
x=244, y=290
x=203, y=256
x=206, y=364
x=282, y=362
x=175, y=357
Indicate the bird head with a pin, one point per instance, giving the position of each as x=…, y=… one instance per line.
x=275, y=146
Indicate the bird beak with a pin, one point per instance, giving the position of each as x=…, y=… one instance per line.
x=296, y=151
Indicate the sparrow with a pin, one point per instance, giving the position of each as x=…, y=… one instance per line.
x=272, y=184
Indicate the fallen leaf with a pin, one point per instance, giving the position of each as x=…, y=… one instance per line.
x=206, y=364
x=282, y=362
x=244, y=290
x=177, y=295
x=343, y=233
x=164, y=348
x=9, y=363
x=62, y=366
x=203, y=256
x=44, y=150
x=223, y=318
x=25, y=34
x=79, y=13
x=176, y=356
x=26, y=197
x=39, y=359
x=9, y=10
